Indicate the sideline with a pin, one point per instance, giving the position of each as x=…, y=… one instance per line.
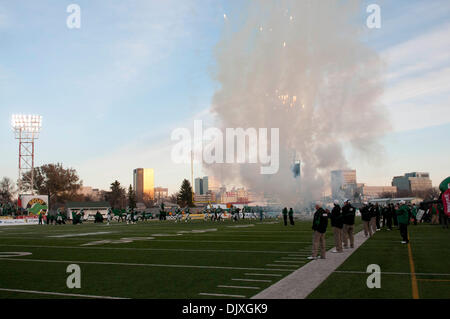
x=305, y=280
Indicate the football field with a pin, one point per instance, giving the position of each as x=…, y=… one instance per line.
x=200, y=259
x=151, y=259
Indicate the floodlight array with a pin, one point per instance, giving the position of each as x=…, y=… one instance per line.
x=27, y=123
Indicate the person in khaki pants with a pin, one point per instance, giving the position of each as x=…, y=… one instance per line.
x=320, y=223
x=348, y=218
x=373, y=218
x=337, y=224
x=366, y=220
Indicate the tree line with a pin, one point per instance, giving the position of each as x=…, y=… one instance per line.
x=63, y=185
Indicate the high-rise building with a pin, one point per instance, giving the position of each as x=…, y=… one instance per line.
x=198, y=187
x=144, y=183
x=343, y=184
x=202, y=186
x=205, y=186
x=416, y=181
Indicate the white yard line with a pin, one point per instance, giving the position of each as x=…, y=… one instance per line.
x=270, y=275
x=58, y=294
x=220, y=295
x=391, y=273
x=154, y=249
x=278, y=265
x=199, y=240
x=238, y=287
x=255, y=280
x=80, y=235
x=135, y=264
x=287, y=261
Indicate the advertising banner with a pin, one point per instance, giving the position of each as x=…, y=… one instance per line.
x=34, y=203
x=446, y=202
x=17, y=222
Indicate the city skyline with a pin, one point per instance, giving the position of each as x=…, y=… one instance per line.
x=107, y=91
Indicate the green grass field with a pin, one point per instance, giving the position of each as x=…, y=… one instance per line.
x=201, y=260
x=430, y=257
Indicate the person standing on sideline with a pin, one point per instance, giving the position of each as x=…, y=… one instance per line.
x=377, y=216
x=291, y=216
x=403, y=220
x=337, y=224
x=394, y=214
x=434, y=214
x=373, y=218
x=320, y=223
x=348, y=218
x=443, y=218
x=389, y=213
x=40, y=216
x=366, y=219
x=414, y=213
x=285, y=213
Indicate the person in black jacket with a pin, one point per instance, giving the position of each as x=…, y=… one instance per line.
x=285, y=213
x=366, y=217
x=291, y=216
x=320, y=224
x=337, y=224
x=348, y=218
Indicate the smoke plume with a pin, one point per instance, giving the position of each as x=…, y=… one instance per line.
x=302, y=67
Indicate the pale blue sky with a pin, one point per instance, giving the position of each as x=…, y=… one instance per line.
x=111, y=92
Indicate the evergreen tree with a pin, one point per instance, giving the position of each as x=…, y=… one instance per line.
x=185, y=194
x=117, y=196
x=131, y=198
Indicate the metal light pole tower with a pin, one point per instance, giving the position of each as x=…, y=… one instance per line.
x=26, y=129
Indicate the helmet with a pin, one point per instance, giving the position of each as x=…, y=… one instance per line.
x=336, y=202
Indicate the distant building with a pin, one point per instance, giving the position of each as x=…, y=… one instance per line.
x=205, y=198
x=161, y=193
x=202, y=186
x=416, y=181
x=213, y=184
x=93, y=193
x=235, y=196
x=144, y=183
x=371, y=192
x=343, y=184
x=198, y=186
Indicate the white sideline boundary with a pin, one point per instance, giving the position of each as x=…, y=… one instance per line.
x=303, y=281
x=154, y=249
x=58, y=294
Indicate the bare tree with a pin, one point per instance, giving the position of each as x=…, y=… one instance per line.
x=7, y=190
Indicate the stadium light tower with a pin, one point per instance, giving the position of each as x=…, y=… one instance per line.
x=26, y=129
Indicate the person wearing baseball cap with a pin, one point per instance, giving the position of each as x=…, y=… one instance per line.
x=348, y=219
x=320, y=223
x=337, y=224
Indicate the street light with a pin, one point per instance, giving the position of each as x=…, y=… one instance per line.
x=26, y=129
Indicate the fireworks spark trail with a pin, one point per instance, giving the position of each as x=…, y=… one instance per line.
x=321, y=88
